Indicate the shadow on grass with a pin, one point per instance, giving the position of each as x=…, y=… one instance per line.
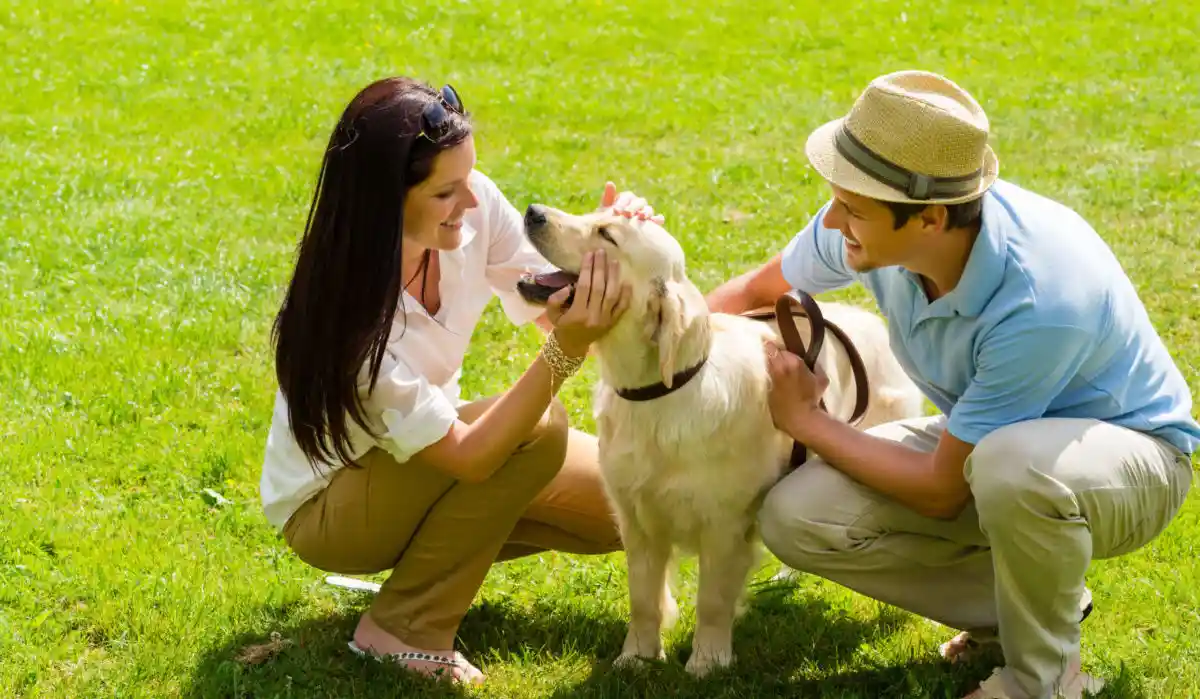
x=786, y=647
x=312, y=659
x=790, y=647
x=780, y=641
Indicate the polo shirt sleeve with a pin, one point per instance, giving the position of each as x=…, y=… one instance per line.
x=413, y=413
x=1018, y=374
x=815, y=259
x=510, y=254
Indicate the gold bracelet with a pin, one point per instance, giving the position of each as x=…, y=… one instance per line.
x=561, y=366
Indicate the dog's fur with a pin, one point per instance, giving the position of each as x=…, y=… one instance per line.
x=688, y=470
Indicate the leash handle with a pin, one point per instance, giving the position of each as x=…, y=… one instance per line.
x=791, y=335
x=785, y=317
x=795, y=344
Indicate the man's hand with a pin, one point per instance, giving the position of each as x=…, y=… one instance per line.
x=795, y=391
x=931, y=484
x=628, y=205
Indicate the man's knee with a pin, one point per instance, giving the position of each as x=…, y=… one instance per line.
x=781, y=528
x=1007, y=473
x=811, y=515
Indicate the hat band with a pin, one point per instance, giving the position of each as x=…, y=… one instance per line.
x=914, y=184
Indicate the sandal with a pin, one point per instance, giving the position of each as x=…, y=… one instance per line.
x=967, y=645
x=1072, y=686
x=469, y=673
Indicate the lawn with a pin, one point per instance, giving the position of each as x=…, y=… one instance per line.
x=156, y=163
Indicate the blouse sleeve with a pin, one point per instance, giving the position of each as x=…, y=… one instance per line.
x=412, y=412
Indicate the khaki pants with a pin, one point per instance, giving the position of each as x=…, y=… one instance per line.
x=1050, y=496
x=439, y=537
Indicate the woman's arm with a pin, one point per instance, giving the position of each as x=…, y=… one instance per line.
x=473, y=452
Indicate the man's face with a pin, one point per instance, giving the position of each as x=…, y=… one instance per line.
x=867, y=226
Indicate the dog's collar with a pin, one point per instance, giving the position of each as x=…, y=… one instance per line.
x=658, y=390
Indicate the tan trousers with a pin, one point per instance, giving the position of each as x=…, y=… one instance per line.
x=439, y=537
x=1050, y=496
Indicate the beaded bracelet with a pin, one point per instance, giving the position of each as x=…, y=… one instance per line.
x=561, y=366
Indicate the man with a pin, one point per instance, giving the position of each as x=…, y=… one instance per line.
x=1065, y=431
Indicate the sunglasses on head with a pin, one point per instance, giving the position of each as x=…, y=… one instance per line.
x=435, y=119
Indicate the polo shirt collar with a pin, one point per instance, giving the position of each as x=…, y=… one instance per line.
x=985, y=267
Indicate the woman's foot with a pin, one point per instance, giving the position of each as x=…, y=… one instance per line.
x=371, y=640
x=965, y=647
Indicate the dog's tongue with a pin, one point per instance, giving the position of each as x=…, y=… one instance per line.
x=555, y=280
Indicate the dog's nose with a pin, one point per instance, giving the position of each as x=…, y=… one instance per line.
x=534, y=216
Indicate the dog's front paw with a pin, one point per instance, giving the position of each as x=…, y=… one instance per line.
x=633, y=661
x=705, y=660
x=640, y=645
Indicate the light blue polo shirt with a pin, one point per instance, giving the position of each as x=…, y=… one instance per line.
x=1044, y=323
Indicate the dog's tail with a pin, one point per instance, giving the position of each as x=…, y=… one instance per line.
x=890, y=404
x=667, y=604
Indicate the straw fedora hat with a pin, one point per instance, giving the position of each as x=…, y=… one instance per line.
x=911, y=136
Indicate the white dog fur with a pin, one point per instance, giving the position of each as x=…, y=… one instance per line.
x=688, y=470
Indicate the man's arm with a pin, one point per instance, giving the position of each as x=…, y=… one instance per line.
x=754, y=289
x=1005, y=390
x=931, y=484
x=814, y=260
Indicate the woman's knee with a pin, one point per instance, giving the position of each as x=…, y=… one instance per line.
x=546, y=445
x=308, y=538
x=554, y=423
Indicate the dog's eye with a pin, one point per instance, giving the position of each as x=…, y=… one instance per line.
x=602, y=231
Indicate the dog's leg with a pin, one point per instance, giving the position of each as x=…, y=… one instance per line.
x=649, y=598
x=726, y=557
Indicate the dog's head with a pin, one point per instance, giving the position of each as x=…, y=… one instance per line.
x=664, y=304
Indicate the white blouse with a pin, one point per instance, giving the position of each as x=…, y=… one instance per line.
x=416, y=396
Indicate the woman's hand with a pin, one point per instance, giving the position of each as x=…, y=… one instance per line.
x=599, y=301
x=628, y=205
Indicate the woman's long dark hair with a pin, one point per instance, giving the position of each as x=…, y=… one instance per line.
x=338, y=310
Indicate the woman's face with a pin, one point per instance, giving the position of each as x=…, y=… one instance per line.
x=433, y=210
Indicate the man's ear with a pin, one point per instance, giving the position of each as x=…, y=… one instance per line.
x=935, y=219
x=667, y=322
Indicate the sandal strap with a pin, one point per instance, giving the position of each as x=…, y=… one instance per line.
x=407, y=656
x=427, y=657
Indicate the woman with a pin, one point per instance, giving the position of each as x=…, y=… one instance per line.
x=372, y=462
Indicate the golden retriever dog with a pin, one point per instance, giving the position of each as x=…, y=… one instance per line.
x=688, y=470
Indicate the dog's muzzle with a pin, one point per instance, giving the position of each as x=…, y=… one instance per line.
x=538, y=288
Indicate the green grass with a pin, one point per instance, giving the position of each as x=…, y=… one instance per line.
x=156, y=161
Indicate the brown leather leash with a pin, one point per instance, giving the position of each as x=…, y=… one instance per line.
x=786, y=312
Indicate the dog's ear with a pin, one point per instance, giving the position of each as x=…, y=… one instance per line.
x=669, y=317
